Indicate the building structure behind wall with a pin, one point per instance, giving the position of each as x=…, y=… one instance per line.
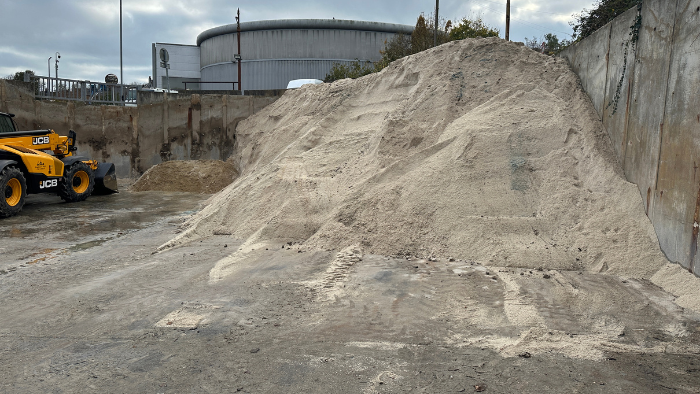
x=184, y=65
x=274, y=52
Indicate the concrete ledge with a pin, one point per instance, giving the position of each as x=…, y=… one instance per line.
x=163, y=127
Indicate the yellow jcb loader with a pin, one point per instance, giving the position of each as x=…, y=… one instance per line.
x=41, y=161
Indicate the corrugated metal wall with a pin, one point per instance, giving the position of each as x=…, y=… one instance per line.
x=295, y=44
x=267, y=74
x=271, y=58
x=184, y=64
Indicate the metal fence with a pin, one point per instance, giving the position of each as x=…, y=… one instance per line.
x=200, y=83
x=86, y=91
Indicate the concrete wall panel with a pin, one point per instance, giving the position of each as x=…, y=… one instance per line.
x=164, y=127
x=676, y=205
x=645, y=123
x=619, y=79
x=150, y=135
x=588, y=59
x=656, y=127
x=18, y=101
x=599, y=44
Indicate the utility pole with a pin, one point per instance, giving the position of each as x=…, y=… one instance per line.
x=121, y=56
x=58, y=56
x=507, y=20
x=49, y=84
x=437, y=10
x=238, y=23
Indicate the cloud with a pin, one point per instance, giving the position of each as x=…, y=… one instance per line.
x=86, y=32
x=20, y=54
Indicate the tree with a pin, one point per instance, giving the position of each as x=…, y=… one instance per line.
x=588, y=21
x=422, y=38
x=354, y=70
x=19, y=75
x=396, y=48
x=468, y=28
x=553, y=45
x=534, y=43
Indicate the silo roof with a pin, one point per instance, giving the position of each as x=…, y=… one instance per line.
x=303, y=24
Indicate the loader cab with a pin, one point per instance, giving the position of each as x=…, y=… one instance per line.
x=7, y=124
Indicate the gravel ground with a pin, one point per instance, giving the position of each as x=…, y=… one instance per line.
x=89, y=306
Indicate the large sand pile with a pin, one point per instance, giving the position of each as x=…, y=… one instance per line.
x=481, y=150
x=195, y=176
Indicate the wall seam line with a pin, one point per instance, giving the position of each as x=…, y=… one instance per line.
x=668, y=80
x=607, y=78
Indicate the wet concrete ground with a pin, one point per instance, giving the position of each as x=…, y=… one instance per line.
x=47, y=226
x=87, y=306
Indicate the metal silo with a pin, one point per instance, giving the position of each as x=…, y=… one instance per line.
x=277, y=51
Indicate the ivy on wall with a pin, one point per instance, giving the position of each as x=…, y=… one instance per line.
x=634, y=38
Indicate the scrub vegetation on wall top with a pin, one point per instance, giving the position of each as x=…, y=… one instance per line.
x=422, y=38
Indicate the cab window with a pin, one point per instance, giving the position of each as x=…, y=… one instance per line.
x=6, y=125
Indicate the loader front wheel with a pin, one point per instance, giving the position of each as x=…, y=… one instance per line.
x=14, y=189
x=78, y=182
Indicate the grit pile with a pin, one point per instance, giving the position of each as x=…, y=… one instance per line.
x=194, y=176
x=479, y=150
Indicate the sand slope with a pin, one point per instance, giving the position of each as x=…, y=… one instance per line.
x=481, y=150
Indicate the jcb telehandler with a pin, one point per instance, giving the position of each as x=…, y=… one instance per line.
x=41, y=161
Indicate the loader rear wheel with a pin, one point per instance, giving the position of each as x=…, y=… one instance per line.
x=14, y=189
x=78, y=182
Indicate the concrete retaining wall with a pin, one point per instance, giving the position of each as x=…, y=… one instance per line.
x=165, y=127
x=647, y=94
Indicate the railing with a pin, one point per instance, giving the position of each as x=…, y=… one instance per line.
x=233, y=84
x=86, y=91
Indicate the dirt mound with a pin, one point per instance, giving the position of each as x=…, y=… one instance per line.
x=481, y=150
x=195, y=176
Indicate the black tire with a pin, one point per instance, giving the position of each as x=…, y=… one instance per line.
x=78, y=182
x=14, y=191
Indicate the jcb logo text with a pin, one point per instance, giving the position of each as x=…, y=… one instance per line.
x=40, y=141
x=48, y=183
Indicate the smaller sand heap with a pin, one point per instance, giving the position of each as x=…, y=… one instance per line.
x=194, y=176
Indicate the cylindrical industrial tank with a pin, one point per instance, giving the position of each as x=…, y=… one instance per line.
x=276, y=51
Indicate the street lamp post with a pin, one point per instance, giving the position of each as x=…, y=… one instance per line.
x=238, y=56
x=58, y=56
x=49, y=81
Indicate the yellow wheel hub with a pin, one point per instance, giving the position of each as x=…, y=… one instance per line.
x=81, y=181
x=13, y=192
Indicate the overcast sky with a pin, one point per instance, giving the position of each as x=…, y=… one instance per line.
x=86, y=32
